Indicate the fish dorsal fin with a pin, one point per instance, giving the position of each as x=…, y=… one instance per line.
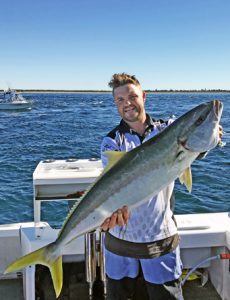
x=186, y=179
x=113, y=157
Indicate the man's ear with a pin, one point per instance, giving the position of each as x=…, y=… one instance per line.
x=144, y=96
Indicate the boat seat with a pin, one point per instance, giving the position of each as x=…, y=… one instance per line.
x=199, y=234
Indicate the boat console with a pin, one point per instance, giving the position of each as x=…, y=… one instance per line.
x=63, y=180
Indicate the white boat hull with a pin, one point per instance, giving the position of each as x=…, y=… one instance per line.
x=14, y=101
x=15, y=106
x=202, y=236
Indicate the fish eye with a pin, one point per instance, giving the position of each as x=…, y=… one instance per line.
x=200, y=120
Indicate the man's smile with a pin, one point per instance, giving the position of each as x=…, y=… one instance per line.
x=130, y=109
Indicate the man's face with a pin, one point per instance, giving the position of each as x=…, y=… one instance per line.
x=130, y=101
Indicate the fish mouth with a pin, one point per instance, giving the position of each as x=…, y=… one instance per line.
x=217, y=107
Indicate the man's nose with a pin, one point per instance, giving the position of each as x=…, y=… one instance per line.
x=127, y=101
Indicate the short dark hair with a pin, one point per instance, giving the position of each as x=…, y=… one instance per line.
x=121, y=79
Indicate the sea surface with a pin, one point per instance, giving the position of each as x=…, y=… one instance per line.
x=67, y=125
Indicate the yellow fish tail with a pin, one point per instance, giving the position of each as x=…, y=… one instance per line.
x=43, y=256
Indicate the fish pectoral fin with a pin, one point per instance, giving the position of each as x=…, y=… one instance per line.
x=42, y=256
x=186, y=179
x=113, y=157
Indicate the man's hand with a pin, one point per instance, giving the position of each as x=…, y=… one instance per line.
x=119, y=217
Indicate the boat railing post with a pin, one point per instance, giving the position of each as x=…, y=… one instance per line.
x=101, y=261
x=37, y=207
x=90, y=259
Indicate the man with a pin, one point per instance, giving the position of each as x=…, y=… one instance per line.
x=147, y=235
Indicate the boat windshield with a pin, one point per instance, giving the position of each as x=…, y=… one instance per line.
x=12, y=97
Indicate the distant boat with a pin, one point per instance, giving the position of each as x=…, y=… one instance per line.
x=14, y=101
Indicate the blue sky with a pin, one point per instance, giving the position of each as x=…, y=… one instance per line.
x=79, y=44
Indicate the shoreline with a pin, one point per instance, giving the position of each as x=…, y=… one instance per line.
x=109, y=92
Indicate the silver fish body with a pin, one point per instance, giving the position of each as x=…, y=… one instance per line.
x=146, y=170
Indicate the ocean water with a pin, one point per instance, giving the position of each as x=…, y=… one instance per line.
x=67, y=125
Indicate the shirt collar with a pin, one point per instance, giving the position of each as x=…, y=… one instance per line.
x=124, y=127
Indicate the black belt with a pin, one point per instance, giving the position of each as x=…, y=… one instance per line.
x=141, y=250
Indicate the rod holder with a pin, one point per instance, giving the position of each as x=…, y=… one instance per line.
x=101, y=261
x=90, y=259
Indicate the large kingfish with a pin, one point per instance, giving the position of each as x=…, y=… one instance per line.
x=146, y=170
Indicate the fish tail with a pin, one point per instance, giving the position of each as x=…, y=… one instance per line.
x=44, y=256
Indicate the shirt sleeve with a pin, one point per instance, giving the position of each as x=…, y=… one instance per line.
x=108, y=144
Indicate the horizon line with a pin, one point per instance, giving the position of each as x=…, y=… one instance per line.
x=110, y=91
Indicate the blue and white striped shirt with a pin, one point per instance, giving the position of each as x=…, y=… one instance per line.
x=151, y=221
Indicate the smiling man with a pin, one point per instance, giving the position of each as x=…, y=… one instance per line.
x=130, y=101
x=145, y=236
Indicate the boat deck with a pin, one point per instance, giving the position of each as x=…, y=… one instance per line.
x=75, y=287
x=193, y=290
x=12, y=289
